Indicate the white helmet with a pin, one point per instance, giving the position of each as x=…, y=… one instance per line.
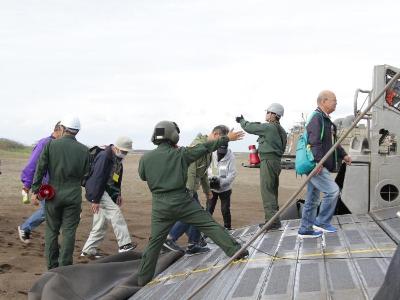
x=71, y=122
x=277, y=109
x=123, y=143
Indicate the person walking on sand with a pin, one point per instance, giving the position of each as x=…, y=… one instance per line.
x=67, y=161
x=103, y=191
x=38, y=217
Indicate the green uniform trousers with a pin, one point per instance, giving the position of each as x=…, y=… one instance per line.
x=269, y=184
x=167, y=209
x=64, y=215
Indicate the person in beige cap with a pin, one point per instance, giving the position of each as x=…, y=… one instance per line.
x=103, y=190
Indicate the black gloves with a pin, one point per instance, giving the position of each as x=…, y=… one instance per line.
x=238, y=119
x=214, y=183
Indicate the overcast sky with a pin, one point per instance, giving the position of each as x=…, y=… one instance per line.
x=122, y=66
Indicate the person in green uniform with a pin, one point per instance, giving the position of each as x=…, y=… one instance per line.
x=66, y=161
x=166, y=169
x=271, y=140
x=197, y=175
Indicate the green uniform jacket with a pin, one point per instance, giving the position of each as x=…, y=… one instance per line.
x=197, y=172
x=166, y=168
x=67, y=161
x=272, y=138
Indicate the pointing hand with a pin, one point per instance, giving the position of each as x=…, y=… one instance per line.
x=239, y=119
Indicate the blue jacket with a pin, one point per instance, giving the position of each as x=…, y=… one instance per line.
x=29, y=170
x=320, y=147
x=105, y=176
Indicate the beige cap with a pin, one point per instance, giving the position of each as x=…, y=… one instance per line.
x=123, y=143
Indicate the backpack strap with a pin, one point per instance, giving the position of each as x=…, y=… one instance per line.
x=322, y=123
x=322, y=126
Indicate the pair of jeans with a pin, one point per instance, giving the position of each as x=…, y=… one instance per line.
x=35, y=219
x=225, y=198
x=180, y=228
x=320, y=183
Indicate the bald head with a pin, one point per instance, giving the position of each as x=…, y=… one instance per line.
x=327, y=101
x=325, y=95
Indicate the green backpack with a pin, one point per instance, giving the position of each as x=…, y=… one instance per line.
x=305, y=162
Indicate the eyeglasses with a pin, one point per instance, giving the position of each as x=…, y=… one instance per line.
x=270, y=112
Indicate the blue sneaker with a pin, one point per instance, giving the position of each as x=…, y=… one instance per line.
x=307, y=234
x=194, y=249
x=325, y=228
x=170, y=245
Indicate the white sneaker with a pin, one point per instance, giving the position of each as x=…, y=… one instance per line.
x=24, y=236
x=327, y=228
x=91, y=256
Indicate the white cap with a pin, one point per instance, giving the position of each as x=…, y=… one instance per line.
x=276, y=108
x=71, y=122
x=123, y=143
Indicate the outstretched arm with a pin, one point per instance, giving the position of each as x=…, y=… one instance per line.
x=191, y=154
x=254, y=127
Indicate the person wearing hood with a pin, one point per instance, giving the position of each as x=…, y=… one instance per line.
x=221, y=174
x=38, y=217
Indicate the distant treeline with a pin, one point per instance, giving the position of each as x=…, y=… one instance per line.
x=10, y=145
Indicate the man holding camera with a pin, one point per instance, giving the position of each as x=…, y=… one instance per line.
x=221, y=173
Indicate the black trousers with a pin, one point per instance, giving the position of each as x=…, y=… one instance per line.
x=225, y=198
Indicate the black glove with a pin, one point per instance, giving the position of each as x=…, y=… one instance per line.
x=214, y=183
x=239, y=119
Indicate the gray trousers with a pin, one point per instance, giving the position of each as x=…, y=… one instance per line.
x=109, y=211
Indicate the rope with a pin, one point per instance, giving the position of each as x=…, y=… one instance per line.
x=308, y=257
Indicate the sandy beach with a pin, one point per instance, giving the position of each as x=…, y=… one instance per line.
x=21, y=265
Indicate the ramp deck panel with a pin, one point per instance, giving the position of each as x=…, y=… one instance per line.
x=350, y=264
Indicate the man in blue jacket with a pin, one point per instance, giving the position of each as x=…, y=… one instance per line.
x=103, y=190
x=312, y=225
x=37, y=218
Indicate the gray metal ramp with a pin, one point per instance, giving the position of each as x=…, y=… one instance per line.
x=349, y=264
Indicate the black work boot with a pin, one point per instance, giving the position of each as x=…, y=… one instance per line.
x=242, y=255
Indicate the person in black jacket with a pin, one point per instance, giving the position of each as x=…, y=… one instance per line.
x=103, y=190
x=321, y=136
